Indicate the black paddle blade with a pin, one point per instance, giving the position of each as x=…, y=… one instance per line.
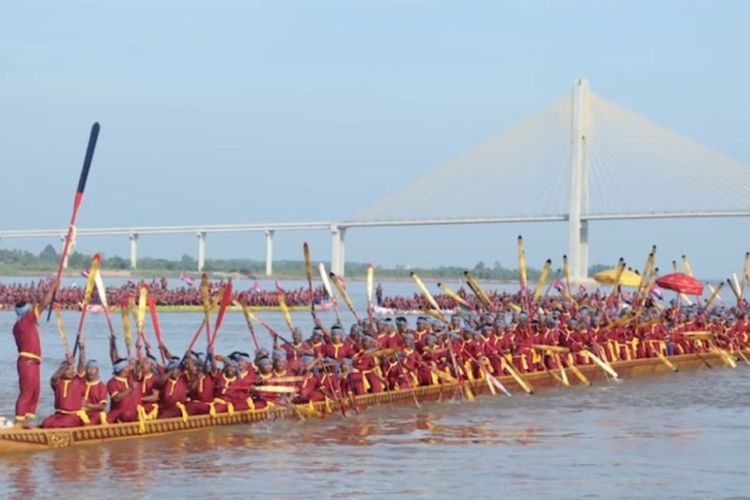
x=89, y=156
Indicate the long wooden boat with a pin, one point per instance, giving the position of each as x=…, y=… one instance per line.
x=24, y=440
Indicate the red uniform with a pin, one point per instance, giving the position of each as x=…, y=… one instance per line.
x=337, y=351
x=95, y=393
x=172, y=398
x=69, y=410
x=201, y=394
x=126, y=409
x=294, y=352
x=29, y=346
x=309, y=389
x=147, y=384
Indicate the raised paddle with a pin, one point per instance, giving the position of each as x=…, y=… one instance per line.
x=226, y=301
x=308, y=273
x=157, y=327
x=281, y=296
x=127, y=331
x=370, y=273
x=61, y=328
x=427, y=295
x=344, y=295
x=93, y=136
x=329, y=290
x=101, y=290
x=87, y=294
x=542, y=279
x=248, y=319
x=452, y=294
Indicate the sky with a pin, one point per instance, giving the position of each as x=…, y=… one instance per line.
x=286, y=111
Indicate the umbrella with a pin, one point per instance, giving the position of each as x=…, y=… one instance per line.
x=682, y=283
x=608, y=277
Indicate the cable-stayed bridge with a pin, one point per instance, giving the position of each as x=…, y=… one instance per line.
x=581, y=159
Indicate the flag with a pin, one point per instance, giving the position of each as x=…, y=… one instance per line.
x=657, y=293
x=255, y=288
x=559, y=285
x=85, y=273
x=185, y=277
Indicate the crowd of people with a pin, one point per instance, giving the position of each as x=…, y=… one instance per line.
x=374, y=355
x=71, y=297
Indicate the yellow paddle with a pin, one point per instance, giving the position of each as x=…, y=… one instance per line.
x=285, y=310
x=344, y=295
x=452, y=294
x=520, y=380
x=714, y=294
x=61, y=328
x=542, y=279
x=521, y=262
x=602, y=364
x=427, y=294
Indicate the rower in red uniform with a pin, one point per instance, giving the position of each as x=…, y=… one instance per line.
x=95, y=393
x=148, y=381
x=201, y=373
x=336, y=348
x=310, y=386
x=68, y=388
x=294, y=350
x=173, y=394
x=29, y=346
x=316, y=341
x=124, y=393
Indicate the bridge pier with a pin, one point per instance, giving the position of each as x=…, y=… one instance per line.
x=269, y=252
x=577, y=225
x=134, y=251
x=201, y=250
x=338, y=260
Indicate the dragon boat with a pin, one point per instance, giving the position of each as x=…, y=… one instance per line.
x=27, y=440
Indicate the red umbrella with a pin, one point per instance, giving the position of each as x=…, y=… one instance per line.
x=682, y=283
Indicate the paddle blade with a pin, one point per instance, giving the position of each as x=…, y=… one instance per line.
x=452, y=294
x=370, y=273
x=93, y=137
x=542, y=279
x=325, y=280
x=100, y=289
x=285, y=309
x=61, y=328
x=127, y=331
x=308, y=262
x=521, y=262
x=140, y=317
x=91, y=280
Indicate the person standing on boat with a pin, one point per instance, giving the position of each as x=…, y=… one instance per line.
x=26, y=335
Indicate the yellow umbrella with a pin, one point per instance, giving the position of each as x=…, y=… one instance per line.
x=609, y=276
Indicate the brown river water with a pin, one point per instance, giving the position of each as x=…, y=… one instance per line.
x=683, y=435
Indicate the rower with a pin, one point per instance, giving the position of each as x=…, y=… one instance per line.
x=201, y=373
x=124, y=393
x=174, y=393
x=95, y=393
x=69, y=404
x=148, y=381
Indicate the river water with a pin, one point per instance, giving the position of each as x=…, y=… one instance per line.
x=683, y=435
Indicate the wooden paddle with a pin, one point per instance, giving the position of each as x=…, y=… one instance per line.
x=87, y=294
x=93, y=136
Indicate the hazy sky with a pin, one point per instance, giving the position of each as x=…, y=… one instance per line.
x=242, y=111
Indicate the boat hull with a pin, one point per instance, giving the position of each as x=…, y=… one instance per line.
x=24, y=440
